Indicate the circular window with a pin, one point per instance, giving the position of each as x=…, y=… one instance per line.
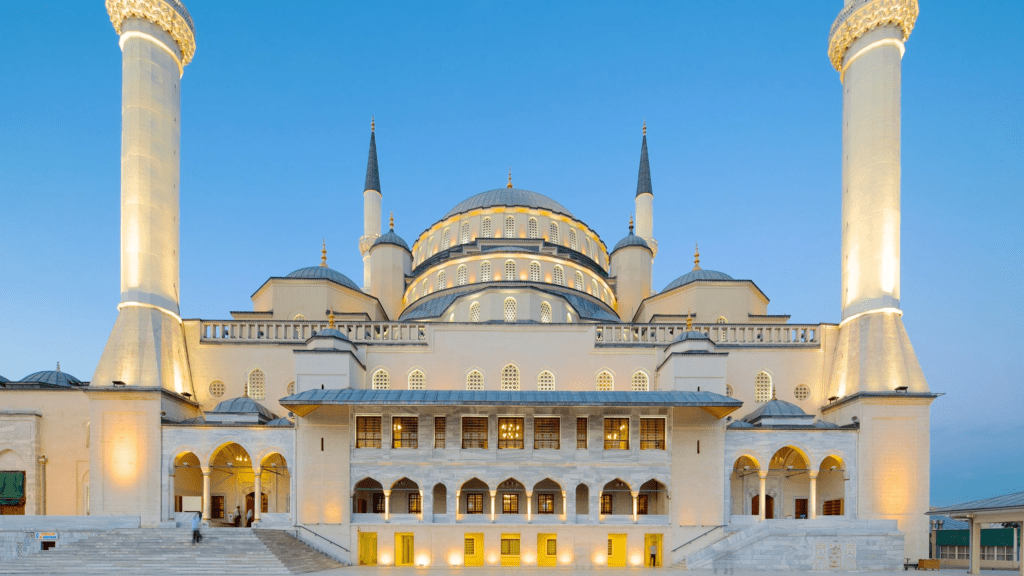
x=290, y=389
x=728, y=390
x=802, y=392
x=217, y=388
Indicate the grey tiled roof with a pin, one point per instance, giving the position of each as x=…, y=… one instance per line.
x=324, y=273
x=372, y=174
x=495, y=397
x=630, y=240
x=778, y=408
x=55, y=377
x=434, y=305
x=696, y=275
x=1014, y=500
x=507, y=197
x=280, y=423
x=643, y=180
x=243, y=405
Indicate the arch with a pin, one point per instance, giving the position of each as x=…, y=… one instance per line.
x=545, y=312
x=442, y=282
x=534, y=271
x=547, y=497
x=510, y=227
x=721, y=320
x=582, y=499
x=474, y=312
x=430, y=246
x=616, y=498
x=11, y=460
x=510, y=497
x=464, y=235
x=531, y=228
x=405, y=497
x=256, y=384
x=553, y=232
x=573, y=243
x=461, y=275
x=764, y=389
x=640, y=382
x=586, y=246
x=381, y=380
x=417, y=380
x=510, y=270
x=577, y=281
x=368, y=497
x=546, y=381
x=789, y=457
x=486, y=229
x=474, y=380
x=187, y=470
x=485, y=271
x=446, y=239
x=743, y=478
x=510, y=377
x=652, y=498
x=474, y=497
x=276, y=480
x=299, y=318
x=831, y=486
x=440, y=496
x=558, y=276
x=509, y=308
x=423, y=287
x=605, y=381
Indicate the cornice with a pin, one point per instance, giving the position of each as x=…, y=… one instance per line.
x=865, y=15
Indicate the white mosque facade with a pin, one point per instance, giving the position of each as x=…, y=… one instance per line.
x=507, y=389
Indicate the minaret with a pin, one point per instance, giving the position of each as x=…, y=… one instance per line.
x=371, y=208
x=146, y=346
x=875, y=378
x=645, y=201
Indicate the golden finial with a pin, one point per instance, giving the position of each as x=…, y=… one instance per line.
x=645, y=126
x=391, y=221
x=323, y=255
x=330, y=319
x=630, y=223
x=696, y=257
x=371, y=124
x=509, y=177
x=689, y=320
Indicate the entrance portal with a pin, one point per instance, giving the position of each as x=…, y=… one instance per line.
x=769, y=506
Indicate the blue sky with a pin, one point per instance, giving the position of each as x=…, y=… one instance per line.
x=743, y=111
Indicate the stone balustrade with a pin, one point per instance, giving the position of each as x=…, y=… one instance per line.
x=296, y=331
x=724, y=335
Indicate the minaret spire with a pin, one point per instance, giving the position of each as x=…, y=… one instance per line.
x=644, y=199
x=371, y=206
x=643, y=180
x=372, y=174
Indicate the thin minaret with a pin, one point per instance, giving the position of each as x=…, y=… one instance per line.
x=146, y=346
x=371, y=207
x=645, y=201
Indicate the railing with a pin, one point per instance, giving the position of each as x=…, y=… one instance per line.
x=346, y=559
x=294, y=331
x=753, y=335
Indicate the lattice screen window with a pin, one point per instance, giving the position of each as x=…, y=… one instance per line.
x=510, y=309
x=217, y=388
x=531, y=228
x=534, y=271
x=485, y=228
x=414, y=293
x=464, y=236
x=594, y=290
x=510, y=433
x=573, y=243
x=605, y=382
x=475, y=380
x=577, y=281
x=586, y=247
x=728, y=390
x=405, y=432
x=802, y=392
x=510, y=227
x=485, y=272
x=763, y=390
x=474, y=505
x=546, y=505
x=545, y=312
x=474, y=312
x=257, y=385
x=721, y=320
x=441, y=281
x=381, y=380
x=581, y=433
x=430, y=246
x=616, y=433
x=440, y=425
x=559, y=276
x=462, y=275
x=547, y=433
x=474, y=432
x=299, y=318
x=446, y=239
x=546, y=381
x=424, y=287
x=510, y=270
x=553, y=233
x=289, y=389
x=652, y=433
x=510, y=378
x=640, y=382
x=367, y=431
x=417, y=380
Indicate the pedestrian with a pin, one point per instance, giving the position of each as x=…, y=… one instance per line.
x=248, y=518
x=238, y=516
x=196, y=522
x=654, y=555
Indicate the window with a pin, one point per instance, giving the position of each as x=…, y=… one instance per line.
x=381, y=380
x=559, y=276
x=531, y=228
x=545, y=381
x=546, y=434
x=581, y=433
x=763, y=390
x=474, y=432
x=440, y=424
x=605, y=382
x=553, y=233
x=510, y=227
x=509, y=505
x=510, y=433
x=586, y=246
x=441, y=281
x=545, y=312
x=405, y=432
x=415, y=504
x=573, y=244
x=485, y=272
x=430, y=246
x=424, y=287
x=642, y=505
x=217, y=388
x=417, y=380
x=378, y=503
x=832, y=508
x=606, y=508
x=474, y=312
x=593, y=288
x=485, y=229
x=510, y=377
x=474, y=504
x=461, y=275
x=414, y=293
x=721, y=320
x=257, y=385
x=652, y=433
x=616, y=433
x=367, y=431
x=728, y=390
x=577, y=282
x=446, y=239
x=464, y=236
x=509, y=545
x=289, y=388
x=475, y=380
x=568, y=317
x=640, y=382
x=510, y=270
x=802, y=392
x=534, y=272
x=510, y=309
x=299, y=318
x=546, y=505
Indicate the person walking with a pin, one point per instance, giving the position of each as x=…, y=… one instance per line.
x=238, y=516
x=654, y=555
x=248, y=518
x=196, y=522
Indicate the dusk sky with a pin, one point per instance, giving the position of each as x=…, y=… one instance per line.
x=743, y=111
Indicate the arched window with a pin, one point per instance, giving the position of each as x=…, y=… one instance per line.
x=510, y=309
x=593, y=288
x=299, y=318
x=430, y=247
x=545, y=381
x=721, y=320
x=605, y=382
x=728, y=390
x=446, y=239
x=545, y=312
x=559, y=276
x=577, y=281
x=510, y=227
x=474, y=312
x=474, y=380
x=414, y=293
x=441, y=281
x=640, y=382
x=485, y=229
x=417, y=380
x=257, y=385
x=568, y=317
x=485, y=272
x=586, y=246
x=423, y=287
x=531, y=228
x=573, y=244
x=217, y=388
x=553, y=233
x=461, y=275
x=510, y=378
x=381, y=380
x=464, y=236
x=763, y=389
x=802, y=392
x=534, y=271
x=510, y=270
x=289, y=389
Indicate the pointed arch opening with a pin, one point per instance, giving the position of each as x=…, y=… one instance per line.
x=616, y=498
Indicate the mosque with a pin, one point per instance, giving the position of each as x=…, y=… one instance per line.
x=503, y=388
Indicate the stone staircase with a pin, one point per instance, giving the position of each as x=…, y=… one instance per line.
x=223, y=552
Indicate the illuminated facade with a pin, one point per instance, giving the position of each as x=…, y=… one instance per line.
x=506, y=390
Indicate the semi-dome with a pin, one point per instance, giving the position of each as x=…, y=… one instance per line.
x=695, y=276
x=390, y=238
x=631, y=240
x=324, y=273
x=508, y=197
x=55, y=377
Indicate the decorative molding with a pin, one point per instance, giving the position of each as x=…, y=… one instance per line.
x=170, y=15
x=866, y=15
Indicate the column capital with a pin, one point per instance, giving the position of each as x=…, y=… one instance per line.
x=762, y=474
x=862, y=16
x=206, y=471
x=387, y=493
x=635, y=493
x=493, y=493
x=171, y=15
x=813, y=473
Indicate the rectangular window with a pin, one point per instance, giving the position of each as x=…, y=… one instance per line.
x=474, y=503
x=546, y=433
x=545, y=504
x=415, y=504
x=367, y=431
x=510, y=503
x=510, y=433
x=832, y=508
x=439, y=431
x=581, y=433
x=509, y=546
x=652, y=433
x=606, y=505
x=641, y=504
x=552, y=547
x=469, y=547
x=378, y=503
x=405, y=432
x=616, y=433
x=474, y=432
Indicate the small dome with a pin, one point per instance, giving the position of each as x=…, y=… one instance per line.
x=692, y=335
x=696, y=276
x=775, y=408
x=740, y=424
x=507, y=197
x=55, y=377
x=330, y=333
x=280, y=423
x=242, y=405
x=324, y=273
x=390, y=238
x=631, y=240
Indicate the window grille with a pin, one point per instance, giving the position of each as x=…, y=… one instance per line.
x=510, y=433
x=578, y=282
x=586, y=245
x=430, y=246
x=534, y=272
x=405, y=432
x=605, y=382
x=642, y=505
x=474, y=312
x=510, y=378
x=441, y=281
x=464, y=236
x=545, y=380
x=440, y=426
x=559, y=276
x=581, y=433
x=299, y=318
x=367, y=431
x=553, y=233
x=531, y=228
x=545, y=312
x=485, y=229
x=510, y=227
x=510, y=309
x=721, y=320
x=652, y=433
x=509, y=546
x=546, y=434
x=381, y=380
x=606, y=508
x=217, y=388
x=593, y=288
x=802, y=392
x=616, y=433
x=461, y=275
x=423, y=287
x=573, y=244
x=485, y=272
x=474, y=432
x=415, y=504
x=475, y=380
x=257, y=385
x=832, y=508
x=546, y=505
x=763, y=390
x=509, y=505
x=289, y=389
x=640, y=382
x=446, y=239
x=474, y=504
x=510, y=270
x=417, y=380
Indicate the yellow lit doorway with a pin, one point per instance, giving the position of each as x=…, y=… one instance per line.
x=474, y=553
x=367, y=548
x=652, y=547
x=510, y=549
x=404, y=549
x=616, y=550
x=547, y=550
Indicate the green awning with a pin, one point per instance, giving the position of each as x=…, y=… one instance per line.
x=989, y=537
x=12, y=488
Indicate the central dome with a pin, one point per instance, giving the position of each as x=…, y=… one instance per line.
x=507, y=197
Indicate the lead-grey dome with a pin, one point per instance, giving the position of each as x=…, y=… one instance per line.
x=280, y=423
x=390, y=238
x=330, y=332
x=507, y=197
x=695, y=276
x=55, y=377
x=2, y=379
x=631, y=240
x=324, y=273
x=242, y=405
x=775, y=408
x=692, y=335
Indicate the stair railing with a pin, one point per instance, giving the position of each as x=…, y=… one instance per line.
x=329, y=541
